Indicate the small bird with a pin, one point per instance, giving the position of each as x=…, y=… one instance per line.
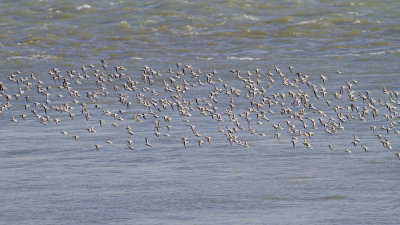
x=76, y=137
x=323, y=78
x=64, y=133
x=373, y=128
x=91, y=130
x=208, y=138
x=184, y=141
x=294, y=141
x=97, y=147
x=56, y=120
x=147, y=142
x=307, y=144
x=398, y=155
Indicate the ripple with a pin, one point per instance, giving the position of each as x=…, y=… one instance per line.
x=245, y=58
x=84, y=6
x=334, y=197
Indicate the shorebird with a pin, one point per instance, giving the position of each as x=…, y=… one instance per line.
x=184, y=141
x=294, y=141
x=147, y=142
x=189, y=93
x=91, y=130
x=307, y=144
x=208, y=138
x=323, y=78
x=76, y=137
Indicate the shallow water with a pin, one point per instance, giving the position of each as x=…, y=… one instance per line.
x=47, y=178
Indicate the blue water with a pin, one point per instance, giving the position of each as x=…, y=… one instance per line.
x=48, y=178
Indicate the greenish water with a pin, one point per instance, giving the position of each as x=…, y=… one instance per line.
x=165, y=32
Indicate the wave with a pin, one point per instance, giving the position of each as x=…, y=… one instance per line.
x=84, y=6
x=246, y=58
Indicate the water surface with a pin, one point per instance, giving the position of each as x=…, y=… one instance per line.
x=47, y=178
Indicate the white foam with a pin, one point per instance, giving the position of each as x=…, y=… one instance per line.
x=377, y=53
x=248, y=17
x=307, y=22
x=135, y=58
x=84, y=6
x=32, y=57
x=206, y=58
x=124, y=24
x=243, y=58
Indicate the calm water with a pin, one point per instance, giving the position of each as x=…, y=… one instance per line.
x=47, y=178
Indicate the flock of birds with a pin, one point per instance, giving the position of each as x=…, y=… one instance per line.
x=272, y=104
